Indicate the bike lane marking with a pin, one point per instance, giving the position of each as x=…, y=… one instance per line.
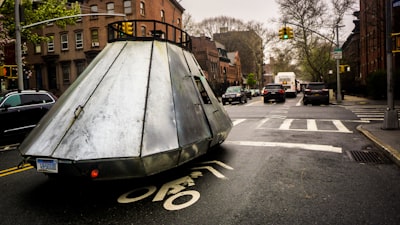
x=172, y=190
x=312, y=147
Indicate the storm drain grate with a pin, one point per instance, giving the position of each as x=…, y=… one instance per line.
x=369, y=157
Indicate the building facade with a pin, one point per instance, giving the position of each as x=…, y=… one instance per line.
x=250, y=46
x=55, y=65
x=222, y=68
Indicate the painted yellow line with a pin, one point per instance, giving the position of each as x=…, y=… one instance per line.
x=16, y=169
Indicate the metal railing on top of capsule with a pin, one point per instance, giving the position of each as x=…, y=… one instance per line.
x=148, y=30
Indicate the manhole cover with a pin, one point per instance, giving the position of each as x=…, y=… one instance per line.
x=369, y=157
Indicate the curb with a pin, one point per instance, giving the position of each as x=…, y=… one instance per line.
x=393, y=153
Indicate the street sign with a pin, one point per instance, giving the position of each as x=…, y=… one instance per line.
x=337, y=54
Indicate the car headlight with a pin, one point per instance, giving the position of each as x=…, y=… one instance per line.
x=237, y=95
x=223, y=95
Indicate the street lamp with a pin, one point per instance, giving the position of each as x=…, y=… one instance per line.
x=390, y=118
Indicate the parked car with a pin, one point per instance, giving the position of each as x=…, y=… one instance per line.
x=20, y=111
x=255, y=92
x=274, y=92
x=248, y=93
x=316, y=92
x=234, y=94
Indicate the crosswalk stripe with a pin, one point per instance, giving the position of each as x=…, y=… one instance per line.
x=310, y=125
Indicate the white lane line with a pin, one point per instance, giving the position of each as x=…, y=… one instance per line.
x=236, y=122
x=286, y=124
x=262, y=123
x=312, y=147
x=341, y=127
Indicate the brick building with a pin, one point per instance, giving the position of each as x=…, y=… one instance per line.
x=365, y=49
x=250, y=46
x=372, y=37
x=207, y=56
x=222, y=68
x=55, y=65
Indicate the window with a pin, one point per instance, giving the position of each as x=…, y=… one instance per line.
x=143, y=31
x=13, y=101
x=78, y=40
x=178, y=22
x=203, y=92
x=38, y=49
x=93, y=9
x=128, y=7
x=50, y=44
x=65, y=72
x=64, y=41
x=162, y=16
x=95, y=38
x=110, y=7
x=31, y=99
x=80, y=67
x=142, y=9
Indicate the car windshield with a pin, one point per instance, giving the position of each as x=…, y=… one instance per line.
x=233, y=89
x=316, y=86
x=273, y=87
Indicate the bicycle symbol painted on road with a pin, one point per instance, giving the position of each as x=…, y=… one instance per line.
x=175, y=189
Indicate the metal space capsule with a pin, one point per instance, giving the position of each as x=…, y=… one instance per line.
x=142, y=106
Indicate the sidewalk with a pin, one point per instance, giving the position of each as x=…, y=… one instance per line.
x=387, y=140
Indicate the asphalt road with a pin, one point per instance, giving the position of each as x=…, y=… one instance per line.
x=283, y=163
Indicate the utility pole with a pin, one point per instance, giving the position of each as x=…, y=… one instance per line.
x=338, y=88
x=18, y=50
x=390, y=120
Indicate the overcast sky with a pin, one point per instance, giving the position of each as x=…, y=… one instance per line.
x=246, y=10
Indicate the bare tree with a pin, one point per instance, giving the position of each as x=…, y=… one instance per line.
x=315, y=27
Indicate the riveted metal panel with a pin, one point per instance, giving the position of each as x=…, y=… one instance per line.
x=190, y=117
x=111, y=122
x=160, y=131
x=43, y=140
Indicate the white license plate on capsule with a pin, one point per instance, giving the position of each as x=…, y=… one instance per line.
x=47, y=165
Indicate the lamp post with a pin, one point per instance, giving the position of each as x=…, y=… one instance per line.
x=390, y=117
x=18, y=50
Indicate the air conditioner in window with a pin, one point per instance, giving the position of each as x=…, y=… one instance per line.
x=95, y=44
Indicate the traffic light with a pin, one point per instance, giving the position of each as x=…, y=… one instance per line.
x=344, y=68
x=127, y=27
x=398, y=42
x=289, y=31
x=283, y=33
x=9, y=71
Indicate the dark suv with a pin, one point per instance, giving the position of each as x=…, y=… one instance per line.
x=316, y=92
x=234, y=94
x=274, y=91
x=20, y=111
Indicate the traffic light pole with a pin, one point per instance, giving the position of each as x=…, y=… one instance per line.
x=18, y=44
x=338, y=88
x=390, y=117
